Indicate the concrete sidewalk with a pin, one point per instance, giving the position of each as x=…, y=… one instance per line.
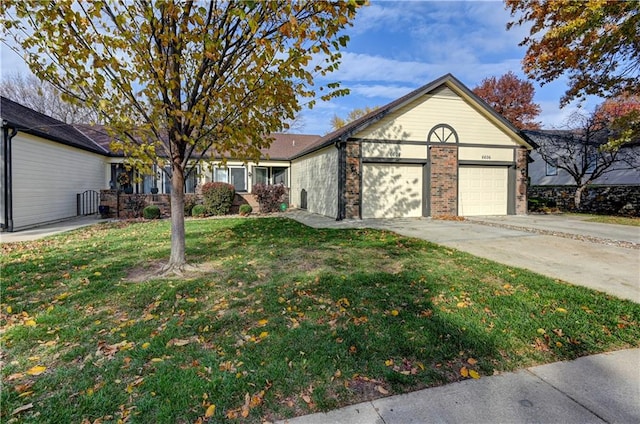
x=601, y=388
x=51, y=229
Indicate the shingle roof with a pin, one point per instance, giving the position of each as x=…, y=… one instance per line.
x=374, y=116
x=29, y=121
x=283, y=147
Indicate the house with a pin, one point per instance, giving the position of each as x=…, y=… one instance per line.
x=548, y=173
x=438, y=151
x=570, y=171
x=46, y=165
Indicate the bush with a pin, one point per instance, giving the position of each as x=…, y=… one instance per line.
x=190, y=200
x=269, y=196
x=245, y=209
x=199, y=211
x=151, y=212
x=218, y=197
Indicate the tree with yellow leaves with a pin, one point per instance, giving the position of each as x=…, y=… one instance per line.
x=178, y=81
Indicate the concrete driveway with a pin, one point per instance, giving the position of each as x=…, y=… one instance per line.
x=603, y=257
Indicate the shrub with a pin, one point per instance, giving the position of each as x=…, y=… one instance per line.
x=199, y=211
x=190, y=200
x=151, y=212
x=245, y=209
x=269, y=196
x=218, y=197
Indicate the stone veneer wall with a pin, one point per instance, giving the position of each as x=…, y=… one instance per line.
x=117, y=202
x=353, y=180
x=444, y=180
x=521, y=181
x=613, y=200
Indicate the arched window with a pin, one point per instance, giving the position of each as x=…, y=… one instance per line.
x=442, y=133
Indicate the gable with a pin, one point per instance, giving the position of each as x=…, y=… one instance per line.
x=414, y=120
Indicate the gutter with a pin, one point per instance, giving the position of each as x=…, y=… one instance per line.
x=7, y=176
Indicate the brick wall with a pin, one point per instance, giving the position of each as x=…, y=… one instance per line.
x=521, y=181
x=444, y=180
x=353, y=180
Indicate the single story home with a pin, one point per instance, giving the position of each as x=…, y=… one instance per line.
x=438, y=151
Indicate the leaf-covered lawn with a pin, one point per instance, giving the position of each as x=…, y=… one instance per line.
x=609, y=219
x=281, y=320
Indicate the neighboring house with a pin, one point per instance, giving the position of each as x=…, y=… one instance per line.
x=45, y=164
x=543, y=173
x=438, y=151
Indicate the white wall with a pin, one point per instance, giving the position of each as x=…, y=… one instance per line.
x=47, y=176
x=317, y=173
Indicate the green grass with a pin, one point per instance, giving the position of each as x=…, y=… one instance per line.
x=282, y=320
x=610, y=219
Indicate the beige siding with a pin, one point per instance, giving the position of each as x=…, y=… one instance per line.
x=391, y=191
x=47, y=176
x=485, y=154
x=317, y=173
x=414, y=121
x=394, y=150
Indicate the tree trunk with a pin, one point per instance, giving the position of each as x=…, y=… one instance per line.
x=577, y=197
x=177, y=260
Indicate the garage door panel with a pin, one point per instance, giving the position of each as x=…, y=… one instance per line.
x=482, y=190
x=391, y=191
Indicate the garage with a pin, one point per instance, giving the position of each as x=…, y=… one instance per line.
x=391, y=190
x=482, y=190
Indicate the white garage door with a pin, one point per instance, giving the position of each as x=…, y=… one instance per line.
x=482, y=190
x=391, y=191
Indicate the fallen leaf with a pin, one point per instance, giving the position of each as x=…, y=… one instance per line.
x=474, y=374
x=210, y=411
x=382, y=390
x=37, y=370
x=263, y=322
x=9, y=309
x=472, y=361
x=30, y=323
x=388, y=362
x=22, y=408
x=177, y=342
x=306, y=398
x=394, y=313
x=464, y=372
x=561, y=310
x=146, y=345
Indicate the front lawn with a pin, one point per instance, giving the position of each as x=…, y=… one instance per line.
x=611, y=219
x=282, y=320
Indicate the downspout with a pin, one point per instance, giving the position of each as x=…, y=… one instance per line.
x=7, y=179
x=341, y=145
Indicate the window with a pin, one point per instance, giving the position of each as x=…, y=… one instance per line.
x=236, y=176
x=280, y=176
x=552, y=167
x=260, y=175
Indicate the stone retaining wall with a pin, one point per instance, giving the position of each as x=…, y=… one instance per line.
x=611, y=200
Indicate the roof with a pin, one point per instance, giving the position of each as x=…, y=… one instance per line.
x=283, y=146
x=374, y=116
x=286, y=146
x=27, y=120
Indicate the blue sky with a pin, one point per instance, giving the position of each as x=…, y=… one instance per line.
x=399, y=46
